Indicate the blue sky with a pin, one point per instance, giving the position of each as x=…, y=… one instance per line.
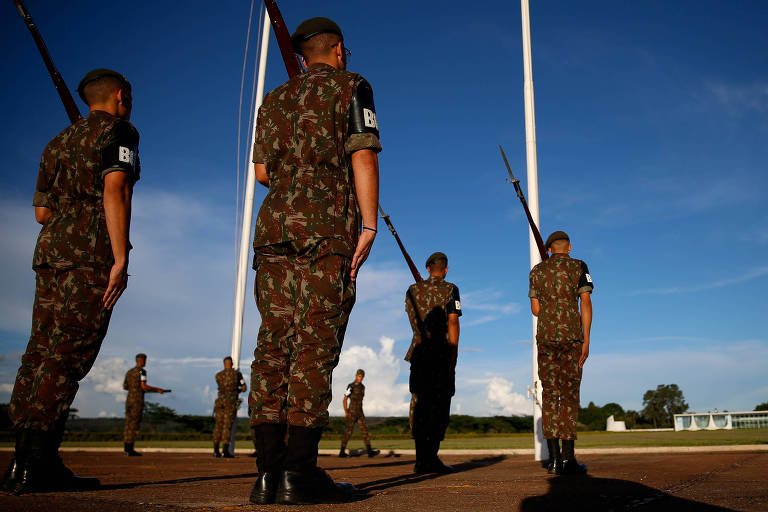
x=651, y=121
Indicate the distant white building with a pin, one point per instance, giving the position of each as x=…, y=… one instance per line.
x=613, y=425
x=721, y=420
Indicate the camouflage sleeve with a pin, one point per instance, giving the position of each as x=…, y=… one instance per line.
x=531, y=288
x=585, y=280
x=258, y=140
x=363, y=125
x=45, y=177
x=454, y=303
x=121, y=151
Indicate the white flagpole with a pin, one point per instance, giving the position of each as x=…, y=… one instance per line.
x=245, y=234
x=539, y=448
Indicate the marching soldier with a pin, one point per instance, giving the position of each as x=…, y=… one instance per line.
x=231, y=384
x=316, y=149
x=353, y=411
x=135, y=383
x=83, y=201
x=434, y=308
x=562, y=340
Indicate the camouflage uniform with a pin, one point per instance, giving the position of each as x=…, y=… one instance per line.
x=134, y=402
x=72, y=260
x=225, y=408
x=306, y=233
x=428, y=304
x=356, y=393
x=557, y=284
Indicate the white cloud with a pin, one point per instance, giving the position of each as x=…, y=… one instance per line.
x=105, y=414
x=740, y=99
x=107, y=376
x=754, y=273
x=6, y=388
x=501, y=399
x=383, y=395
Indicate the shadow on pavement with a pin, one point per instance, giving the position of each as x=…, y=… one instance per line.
x=375, y=465
x=131, y=485
x=590, y=493
x=410, y=478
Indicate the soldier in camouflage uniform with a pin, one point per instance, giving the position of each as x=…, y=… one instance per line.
x=83, y=201
x=231, y=383
x=353, y=411
x=135, y=383
x=316, y=149
x=434, y=308
x=562, y=341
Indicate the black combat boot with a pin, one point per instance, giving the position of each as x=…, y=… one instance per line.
x=225, y=453
x=437, y=464
x=269, y=442
x=216, y=452
x=66, y=479
x=371, y=452
x=343, y=452
x=38, y=468
x=555, y=463
x=301, y=481
x=422, y=460
x=570, y=466
x=128, y=450
x=255, y=452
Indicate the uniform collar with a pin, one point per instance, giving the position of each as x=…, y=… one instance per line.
x=435, y=279
x=560, y=255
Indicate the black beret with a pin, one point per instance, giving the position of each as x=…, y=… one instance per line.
x=312, y=27
x=97, y=74
x=436, y=256
x=360, y=371
x=141, y=356
x=557, y=235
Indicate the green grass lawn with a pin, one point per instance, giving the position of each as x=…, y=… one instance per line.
x=586, y=440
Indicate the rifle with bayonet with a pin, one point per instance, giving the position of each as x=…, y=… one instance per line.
x=534, y=229
x=66, y=97
x=293, y=67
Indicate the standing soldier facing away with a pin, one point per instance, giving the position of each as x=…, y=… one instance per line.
x=353, y=411
x=83, y=201
x=433, y=308
x=231, y=383
x=136, y=384
x=316, y=149
x=562, y=341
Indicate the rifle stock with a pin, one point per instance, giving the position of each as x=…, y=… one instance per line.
x=290, y=59
x=534, y=229
x=66, y=97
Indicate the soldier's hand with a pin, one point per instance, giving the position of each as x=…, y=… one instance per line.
x=363, y=249
x=118, y=282
x=584, y=354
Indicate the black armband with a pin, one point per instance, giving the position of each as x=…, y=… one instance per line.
x=122, y=153
x=362, y=113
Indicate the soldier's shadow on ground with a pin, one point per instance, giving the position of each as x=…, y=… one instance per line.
x=411, y=478
x=604, y=494
x=132, y=485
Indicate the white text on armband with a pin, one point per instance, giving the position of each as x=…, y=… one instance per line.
x=589, y=278
x=126, y=155
x=458, y=305
x=370, y=118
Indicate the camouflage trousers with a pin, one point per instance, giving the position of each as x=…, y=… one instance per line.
x=431, y=413
x=560, y=377
x=68, y=325
x=355, y=416
x=134, y=411
x=225, y=412
x=305, y=295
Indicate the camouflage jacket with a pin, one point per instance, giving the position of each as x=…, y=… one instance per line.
x=557, y=283
x=428, y=304
x=302, y=138
x=132, y=383
x=71, y=183
x=356, y=393
x=229, y=381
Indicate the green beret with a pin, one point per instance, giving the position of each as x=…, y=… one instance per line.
x=97, y=74
x=557, y=235
x=360, y=371
x=141, y=356
x=312, y=27
x=436, y=256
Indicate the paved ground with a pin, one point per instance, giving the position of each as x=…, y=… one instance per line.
x=166, y=482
